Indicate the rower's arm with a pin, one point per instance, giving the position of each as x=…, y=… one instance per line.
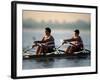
x=44, y=41
x=39, y=41
x=69, y=40
x=47, y=40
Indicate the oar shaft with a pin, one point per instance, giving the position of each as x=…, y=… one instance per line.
x=27, y=50
x=59, y=46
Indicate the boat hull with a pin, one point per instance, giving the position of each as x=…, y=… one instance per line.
x=78, y=55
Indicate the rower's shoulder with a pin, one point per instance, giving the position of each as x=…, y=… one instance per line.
x=51, y=37
x=80, y=37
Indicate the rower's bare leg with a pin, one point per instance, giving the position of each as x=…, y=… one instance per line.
x=38, y=50
x=72, y=49
x=67, y=50
x=41, y=50
x=45, y=49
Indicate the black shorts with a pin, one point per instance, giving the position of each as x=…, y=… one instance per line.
x=76, y=48
x=48, y=49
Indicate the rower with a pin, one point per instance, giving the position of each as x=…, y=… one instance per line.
x=76, y=43
x=47, y=44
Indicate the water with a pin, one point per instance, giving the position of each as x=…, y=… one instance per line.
x=55, y=63
x=30, y=35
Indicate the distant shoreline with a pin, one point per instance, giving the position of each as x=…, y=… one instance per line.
x=53, y=30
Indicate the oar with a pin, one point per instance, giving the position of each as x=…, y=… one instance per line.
x=61, y=44
x=28, y=50
x=83, y=48
x=33, y=38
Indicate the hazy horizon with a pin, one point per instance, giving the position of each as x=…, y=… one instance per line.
x=51, y=16
x=55, y=20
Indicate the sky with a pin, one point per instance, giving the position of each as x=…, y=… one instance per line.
x=55, y=16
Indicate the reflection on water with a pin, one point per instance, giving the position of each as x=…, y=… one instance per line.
x=57, y=62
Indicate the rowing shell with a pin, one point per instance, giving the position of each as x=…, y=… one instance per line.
x=80, y=54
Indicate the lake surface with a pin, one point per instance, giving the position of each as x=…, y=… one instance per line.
x=31, y=35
